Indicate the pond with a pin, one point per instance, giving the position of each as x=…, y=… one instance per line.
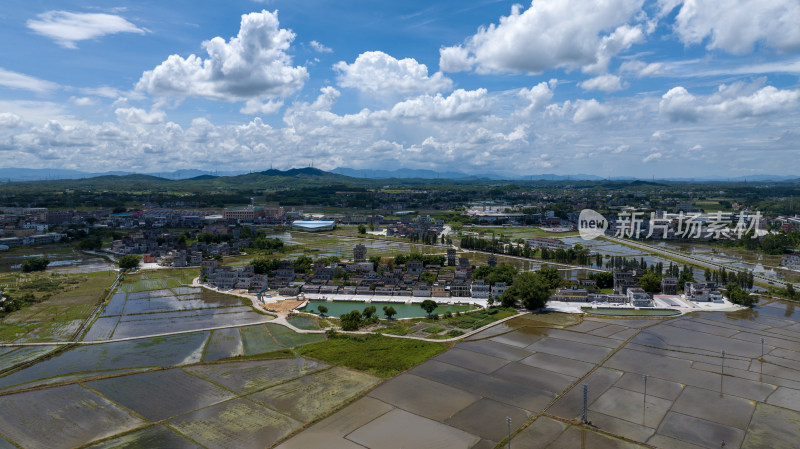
x=336, y=308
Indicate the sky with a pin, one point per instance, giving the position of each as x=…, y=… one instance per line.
x=641, y=88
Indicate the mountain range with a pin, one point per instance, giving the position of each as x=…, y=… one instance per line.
x=48, y=174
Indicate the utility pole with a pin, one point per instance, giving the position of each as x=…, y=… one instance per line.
x=722, y=374
x=508, y=421
x=585, y=418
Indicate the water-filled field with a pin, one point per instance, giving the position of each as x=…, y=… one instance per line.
x=105, y=357
x=336, y=308
x=164, y=310
x=621, y=311
x=249, y=404
x=533, y=369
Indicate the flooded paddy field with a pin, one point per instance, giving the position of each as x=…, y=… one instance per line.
x=159, y=279
x=268, y=337
x=247, y=404
x=87, y=361
x=534, y=371
x=132, y=313
x=169, y=389
x=94, y=360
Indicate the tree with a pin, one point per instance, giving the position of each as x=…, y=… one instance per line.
x=129, y=262
x=550, y=274
x=351, y=321
x=35, y=264
x=428, y=277
x=303, y=264
x=429, y=306
x=492, y=275
x=687, y=276
x=604, y=279
x=532, y=289
x=362, y=229
x=650, y=282
x=369, y=312
x=322, y=310
x=263, y=265
x=389, y=311
x=790, y=293
x=91, y=243
x=739, y=296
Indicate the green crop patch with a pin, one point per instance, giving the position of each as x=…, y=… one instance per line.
x=290, y=338
x=62, y=302
x=304, y=322
x=256, y=340
x=376, y=354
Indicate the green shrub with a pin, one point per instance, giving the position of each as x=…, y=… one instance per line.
x=35, y=264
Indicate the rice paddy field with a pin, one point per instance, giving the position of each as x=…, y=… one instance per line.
x=238, y=384
x=245, y=404
x=168, y=306
x=159, y=279
x=662, y=383
x=215, y=379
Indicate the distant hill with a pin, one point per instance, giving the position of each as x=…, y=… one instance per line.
x=51, y=174
x=272, y=177
x=408, y=173
x=404, y=173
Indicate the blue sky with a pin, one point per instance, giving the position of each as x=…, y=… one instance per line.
x=661, y=88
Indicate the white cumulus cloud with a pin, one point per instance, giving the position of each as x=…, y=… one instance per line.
x=589, y=110
x=731, y=101
x=606, y=83
x=254, y=64
x=379, y=73
x=678, y=105
x=66, y=27
x=642, y=69
x=663, y=136
x=137, y=116
x=455, y=59
x=737, y=26
x=320, y=48
x=459, y=105
x=256, y=106
x=82, y=101
x=9, y=120
x=550, y=34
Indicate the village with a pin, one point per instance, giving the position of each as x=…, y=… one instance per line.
x=445, y=279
